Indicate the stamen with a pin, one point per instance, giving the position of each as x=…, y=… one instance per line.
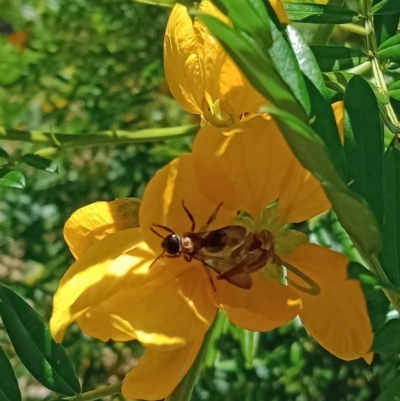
x=314, y=288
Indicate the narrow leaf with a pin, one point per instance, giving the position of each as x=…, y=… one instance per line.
x=352, y=211
x=385, y=26
x=13, y=179
x=258, y=67
x=387, y=339
x=394, y=90
x=320, y=13
x=390, y=48
x=249, y=16
x=390, y=255
x=249, y=341
x=363, y=144
x=4, y=154
x=288, y=66
x=46, y=360
x=9, y=390
x=307, y=62
x=331, y=58
x=39, y=162
x=386, y=7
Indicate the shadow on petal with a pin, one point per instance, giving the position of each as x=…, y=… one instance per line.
x=93, y=222
x=266, y=306
x=159, y=372
x=337, y=317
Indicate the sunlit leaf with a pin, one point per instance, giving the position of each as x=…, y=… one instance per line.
x=46, y=360
x=13, y=179
x=331, y=58
x=390, y=49
x=320, y=13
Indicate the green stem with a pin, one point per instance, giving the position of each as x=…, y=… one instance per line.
x=95, y=394
x=183, y=391
x=324, y=31
x=97, y=138
x=372, y=50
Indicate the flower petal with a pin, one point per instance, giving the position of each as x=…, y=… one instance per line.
x=267, y=305
x=278, y=7
x=162, y=204
x=159, y=372
x=181, y=62
x=93, y=222
x=243, y=165
x=337, y=317
x=168, y=309
x=95, y=275
x=301, y=195
x=338, y=110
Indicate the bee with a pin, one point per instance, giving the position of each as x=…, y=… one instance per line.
x=249, y=252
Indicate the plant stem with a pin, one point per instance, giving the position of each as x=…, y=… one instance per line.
x=324, y=31
x=96, y=394
x=97, y=138
x=372, y=49
x=183, y=391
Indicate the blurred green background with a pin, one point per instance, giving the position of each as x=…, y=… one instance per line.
x=81, y=66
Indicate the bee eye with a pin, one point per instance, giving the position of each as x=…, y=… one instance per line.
x=171, y=244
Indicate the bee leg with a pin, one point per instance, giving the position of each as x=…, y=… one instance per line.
x=190, y=216
x=211, y=218
x=212, y=283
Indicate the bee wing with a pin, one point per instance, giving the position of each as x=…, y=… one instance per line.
x=217, y=240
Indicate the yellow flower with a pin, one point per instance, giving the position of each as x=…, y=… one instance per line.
x=200, y=74
x=115, y=290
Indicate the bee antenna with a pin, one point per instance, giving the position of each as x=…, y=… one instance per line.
x=156, y=233
x=158, y=257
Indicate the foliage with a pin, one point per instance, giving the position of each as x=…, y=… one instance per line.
x=83, y=67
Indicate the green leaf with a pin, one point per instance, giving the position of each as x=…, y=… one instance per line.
x=250, y=18
x=352, y=211
x=307, y=62
x=394, y=90
x=389, y=257
x=320, y=13
x=363, y=144
x=377, y=303
x=249, y=341
x=258, y=67
x=390, y=48
x=39, y=162
x=392, y=391
x=4, y=154
x=387, y=339
x=46, y=360
x=9, y=390
x=386, y=7
x=385, y=26
x=332, y=58
x=13, y=179
x=324, y=124
x=288, y=66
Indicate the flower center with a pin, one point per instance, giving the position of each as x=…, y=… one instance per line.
x=220, y=113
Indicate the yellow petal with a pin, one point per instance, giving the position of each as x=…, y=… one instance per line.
x=200, y=74
x=181, y=62
x=277, y=5
x=162, y=204
x=267, y=305
x=242, y=166
x=159, y=372
x=99, y=323
x=97, y=220
x=301, y=195
x=338, y=110
x=95, y=275
x=336, y=317
x=166, y=309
